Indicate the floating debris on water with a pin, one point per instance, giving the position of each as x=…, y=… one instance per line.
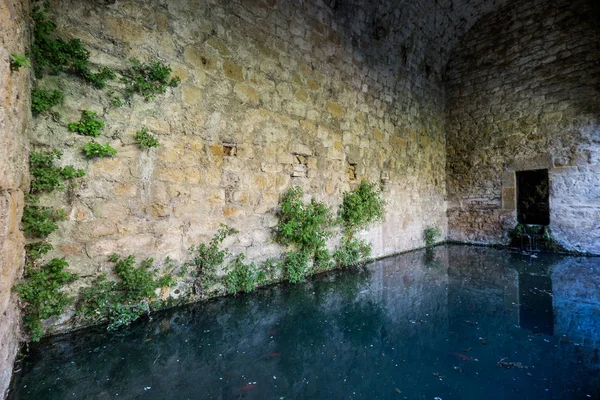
x=510, y=364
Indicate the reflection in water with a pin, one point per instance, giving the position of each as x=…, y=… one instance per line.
x=426, y=324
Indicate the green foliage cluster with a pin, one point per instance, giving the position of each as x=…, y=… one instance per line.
x=97, y=150
x=296, y=267
x=18, y=60
x=362, y=207
x=145, y=139
x=352, y=252
x=43, y=100
x=431, y=235
x=52, y=54
x=41, y=286
x=121, y=302
x=547, y=242
x=35, y=251
x=88, y=125
x=306, y=226
x=45, y=176
x=206, y=258
x=41, y=292
x=118, y=302
x=243, y=277
x=116, y=101
x=149, y=79
x=39, y=222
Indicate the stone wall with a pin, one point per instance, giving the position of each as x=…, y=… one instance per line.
x=272, y=95
x=14, y=119
x=522, y=93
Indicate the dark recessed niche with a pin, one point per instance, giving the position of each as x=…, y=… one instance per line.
x=533, y=204
x=301, y=167
x=352, y=172
x=230, y=150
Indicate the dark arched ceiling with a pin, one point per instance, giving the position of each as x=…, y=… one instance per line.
x=416, y=29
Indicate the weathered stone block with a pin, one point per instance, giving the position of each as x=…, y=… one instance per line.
x=335, y=109
x=509, y=198
x=233, y=71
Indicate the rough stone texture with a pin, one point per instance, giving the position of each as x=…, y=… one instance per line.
x=14, y=118
x=273, y=94
x=522, y=93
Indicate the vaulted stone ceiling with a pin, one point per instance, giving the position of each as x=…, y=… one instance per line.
x=435, y=26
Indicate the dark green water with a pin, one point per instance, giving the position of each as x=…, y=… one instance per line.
x=462, y=323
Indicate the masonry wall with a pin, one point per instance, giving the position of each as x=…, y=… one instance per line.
x=273, y=95
x=522, y=93
x=14, y=119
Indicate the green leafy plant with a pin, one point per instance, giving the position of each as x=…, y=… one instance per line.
x=431, y=235
x=138, y=282
x=39, y=222
x=52, y=54
x=526, y=235
x=362, y=207
x=45, y=176
x=43, y=100
x=96, y=150
x=35, y=251
x=88, y=125
x=206, y=258
x=145, y=139
x=116, y=101
x=149, y=79
x=19, y=60
x=42, y=294
x=242, y=277
x=352, y=252
x=296, y=267
x=323, y=260
x=123, y=301
x=307, y=226
x=98, y=79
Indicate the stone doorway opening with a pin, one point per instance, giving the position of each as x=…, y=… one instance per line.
x=533, y=203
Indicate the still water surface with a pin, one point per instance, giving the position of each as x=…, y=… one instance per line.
x=458, y=323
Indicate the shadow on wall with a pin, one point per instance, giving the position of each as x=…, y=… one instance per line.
x=524, y=95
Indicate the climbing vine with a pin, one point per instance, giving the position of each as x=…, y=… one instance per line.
x=41, y=292
x=119, y=302
x=52, y=54
x=47, y=177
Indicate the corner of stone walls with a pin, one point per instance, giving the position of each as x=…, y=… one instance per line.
x=514, y=105
x=14, y=121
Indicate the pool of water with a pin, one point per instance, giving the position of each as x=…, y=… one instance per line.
x=456, y=323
